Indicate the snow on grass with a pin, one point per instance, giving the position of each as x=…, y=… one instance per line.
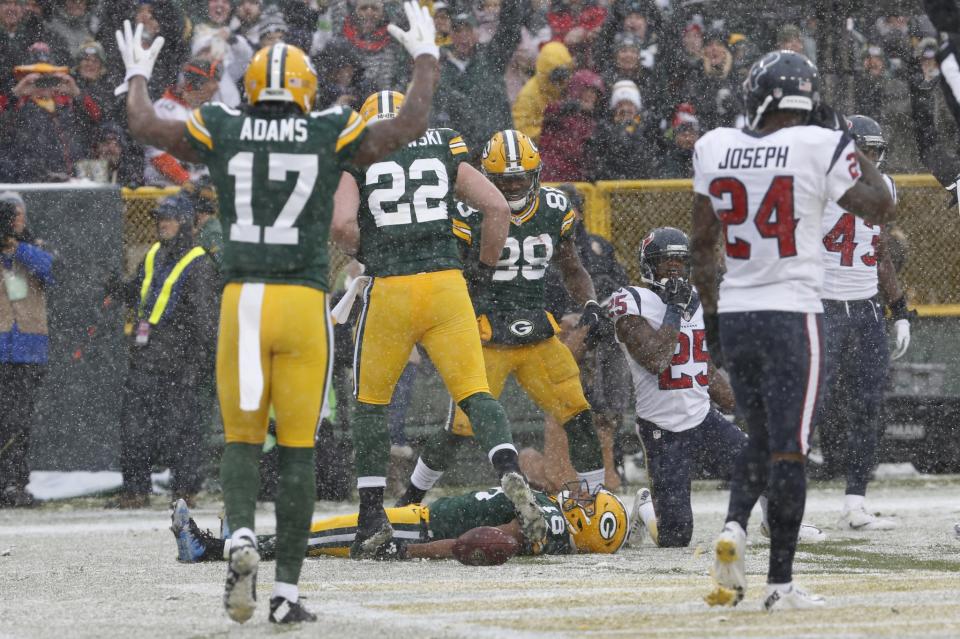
x=75, y=570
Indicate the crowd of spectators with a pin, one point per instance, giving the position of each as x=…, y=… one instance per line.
x=609, y=89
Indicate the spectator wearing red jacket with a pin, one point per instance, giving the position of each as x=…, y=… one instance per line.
x=568, y=125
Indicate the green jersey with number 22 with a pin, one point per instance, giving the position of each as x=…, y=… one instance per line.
x=406, y=201
x=517, y=283
x=275, y=176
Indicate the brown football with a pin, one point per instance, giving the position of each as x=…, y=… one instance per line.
x=484, y=546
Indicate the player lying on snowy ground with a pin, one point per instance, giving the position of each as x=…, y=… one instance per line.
x=593, y=524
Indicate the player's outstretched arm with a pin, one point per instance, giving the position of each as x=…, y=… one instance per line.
x=389, y=135
x=478, y=192
x=869, y=198
x=145, y=126
x=703, y=259
x=575, y=278
x=344, y=229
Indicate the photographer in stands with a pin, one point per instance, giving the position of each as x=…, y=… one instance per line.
x=26, y=272
x=41, y=131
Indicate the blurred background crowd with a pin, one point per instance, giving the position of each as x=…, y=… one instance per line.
x=610, y=89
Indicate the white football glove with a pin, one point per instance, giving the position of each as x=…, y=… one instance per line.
x=136, y=59
x=421, y=39
x=902, y=327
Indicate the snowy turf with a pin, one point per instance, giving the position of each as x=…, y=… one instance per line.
x=78, y=571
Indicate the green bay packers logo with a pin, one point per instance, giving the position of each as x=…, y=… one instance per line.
x=608, y=525
x=521, y=328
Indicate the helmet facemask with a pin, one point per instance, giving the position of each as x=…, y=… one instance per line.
x=595, y=528
x=519, y=189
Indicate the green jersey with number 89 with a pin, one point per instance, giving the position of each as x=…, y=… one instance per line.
x=275, y=175
x=450, y=517
x=406, y=202
x=534, y=235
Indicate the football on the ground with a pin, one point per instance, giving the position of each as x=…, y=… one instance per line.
x=484, y=546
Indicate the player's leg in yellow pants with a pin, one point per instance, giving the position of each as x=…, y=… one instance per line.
x=274, y=348
x=435, y=310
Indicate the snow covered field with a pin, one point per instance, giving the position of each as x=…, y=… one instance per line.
x=75, y=570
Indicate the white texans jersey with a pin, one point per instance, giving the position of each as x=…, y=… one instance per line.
x=677, y=399
x=169, y=108
x=850, y=253
x=769, y=191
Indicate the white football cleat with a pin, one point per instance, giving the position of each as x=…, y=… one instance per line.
x=240, y=591
x=790, y=597
x=532, y=523
x=636, y=529
x=729, y=572
x=860, y=519
x=808, y=534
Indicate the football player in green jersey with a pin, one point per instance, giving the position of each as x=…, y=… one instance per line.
x=518, y=334
x=395, y=217
x=275, y=164
x=593, y=524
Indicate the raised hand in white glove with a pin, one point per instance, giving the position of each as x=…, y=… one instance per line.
x=421, y=39
x=902, y=328
x=136, y=59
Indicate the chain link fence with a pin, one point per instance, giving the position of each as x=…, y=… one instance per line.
x=927, y=229
x=624, y=212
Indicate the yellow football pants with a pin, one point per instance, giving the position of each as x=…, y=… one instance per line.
x=547, y=372
x=333, y=535
x=275, y=347
x=433, y=309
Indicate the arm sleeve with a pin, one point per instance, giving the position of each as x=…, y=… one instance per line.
x=37, y=261
x=843, y=171
x=199, y=131
x=700, y=184
x=507, y=36
x=353, y=129
x=462, y=223
x=624, y=301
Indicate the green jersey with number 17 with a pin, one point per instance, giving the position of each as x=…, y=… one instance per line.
x=406, y=202
x=275, y=175
x=534, y=235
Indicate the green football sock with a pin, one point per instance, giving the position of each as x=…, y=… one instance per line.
x=371, y=440
x=240, y=477
x=440, y=449
x=296, y=492
x=584, y=445
x=490, y=426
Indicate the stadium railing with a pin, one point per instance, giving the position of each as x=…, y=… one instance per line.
x=623, y=211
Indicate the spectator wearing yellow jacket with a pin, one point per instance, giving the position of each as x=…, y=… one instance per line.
x=554, y=68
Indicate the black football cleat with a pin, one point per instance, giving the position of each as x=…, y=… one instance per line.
x=371, y=535
x=283, y=610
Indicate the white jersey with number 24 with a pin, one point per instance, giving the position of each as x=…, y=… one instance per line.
x=769, y=192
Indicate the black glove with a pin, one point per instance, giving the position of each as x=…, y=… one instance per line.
x=824, y=115
x=712, y=324
x=899, y=310
x=478, y=274
x=677, y=291
x=601, y=328
x=592, y=314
